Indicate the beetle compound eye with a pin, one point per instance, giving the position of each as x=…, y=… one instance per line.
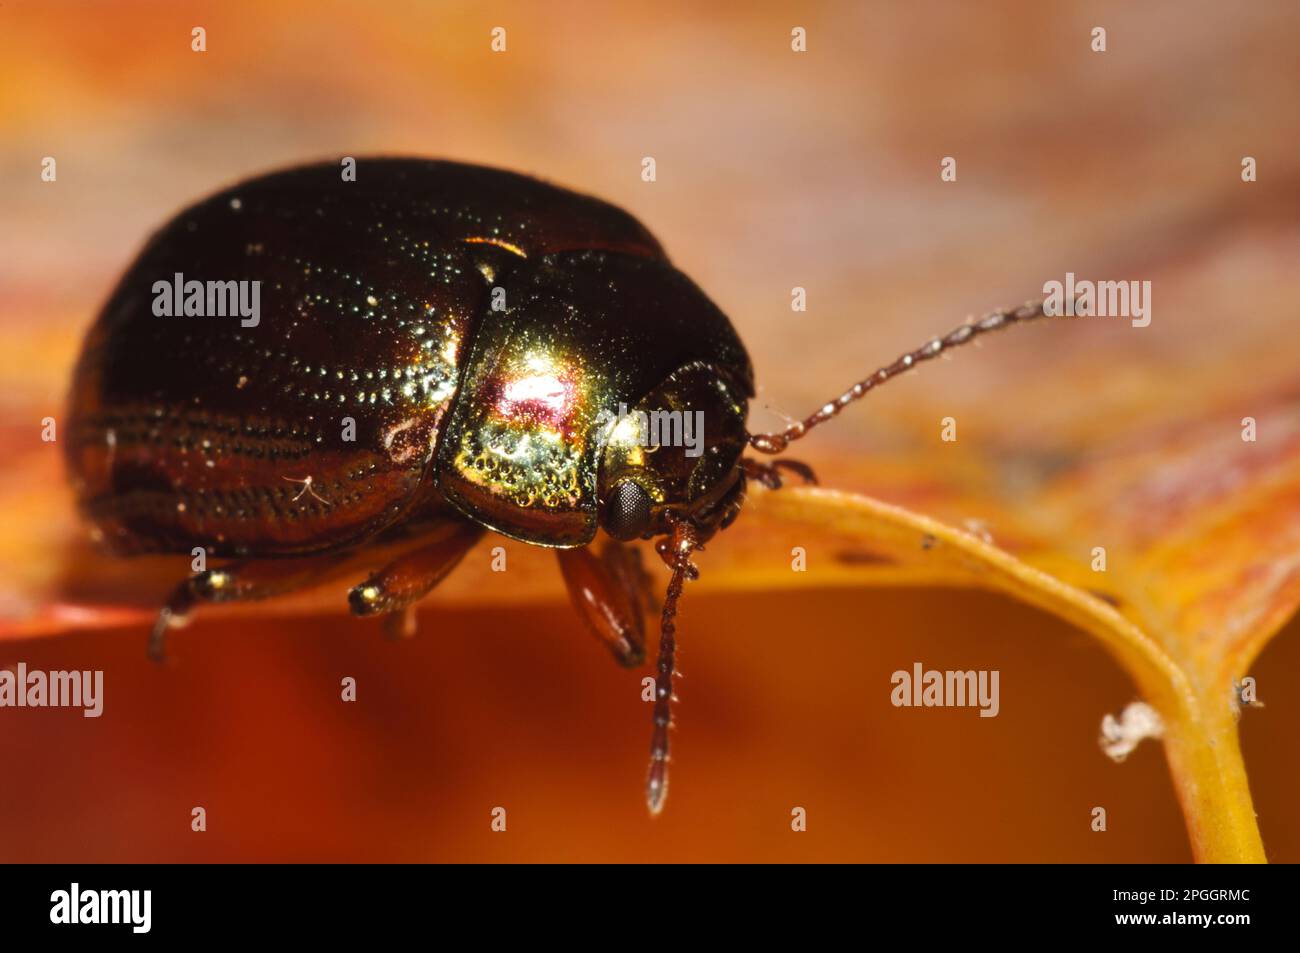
x=628, y=515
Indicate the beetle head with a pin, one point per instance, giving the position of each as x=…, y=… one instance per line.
x=673, y=457
x=666, y=492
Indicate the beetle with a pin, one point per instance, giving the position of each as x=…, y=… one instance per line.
x=439, y=353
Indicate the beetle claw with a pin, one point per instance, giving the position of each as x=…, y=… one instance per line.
x=168, y=618
x=769, y=474
x=158, y=636
x=401, y=624
x=174, y=614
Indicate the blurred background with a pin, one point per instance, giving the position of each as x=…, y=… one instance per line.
x=774, y=170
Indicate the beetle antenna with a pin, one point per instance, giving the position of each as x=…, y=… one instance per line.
x=777, y=442
x=676, y=551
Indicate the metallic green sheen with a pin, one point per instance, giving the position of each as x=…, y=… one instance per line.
x=583, y=336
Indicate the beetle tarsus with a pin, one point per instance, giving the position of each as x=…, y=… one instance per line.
x=174, y=615
x=158, y=636
x=240, y=581
x=769, y=474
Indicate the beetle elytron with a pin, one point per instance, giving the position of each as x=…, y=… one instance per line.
x=439, y=352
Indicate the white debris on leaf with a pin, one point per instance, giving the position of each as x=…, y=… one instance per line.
x=1119, y=736
x=979, y=529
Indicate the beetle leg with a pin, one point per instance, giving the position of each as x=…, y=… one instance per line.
x=769, y=474
x=409, y=577
x=241, y=581
x=628, y=562
x=609, y=594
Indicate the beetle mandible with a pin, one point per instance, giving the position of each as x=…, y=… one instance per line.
x=499, y=345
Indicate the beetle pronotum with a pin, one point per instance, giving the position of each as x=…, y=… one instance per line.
x=477, y=328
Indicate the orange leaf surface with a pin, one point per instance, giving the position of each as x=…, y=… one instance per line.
x=1073, y=435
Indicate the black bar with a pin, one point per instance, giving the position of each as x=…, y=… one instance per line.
x=332, y=902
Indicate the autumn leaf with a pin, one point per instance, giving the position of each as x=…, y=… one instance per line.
x=1142, y=483
x=1172, y=537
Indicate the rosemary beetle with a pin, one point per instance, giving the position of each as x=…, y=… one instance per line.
x=307, y=368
